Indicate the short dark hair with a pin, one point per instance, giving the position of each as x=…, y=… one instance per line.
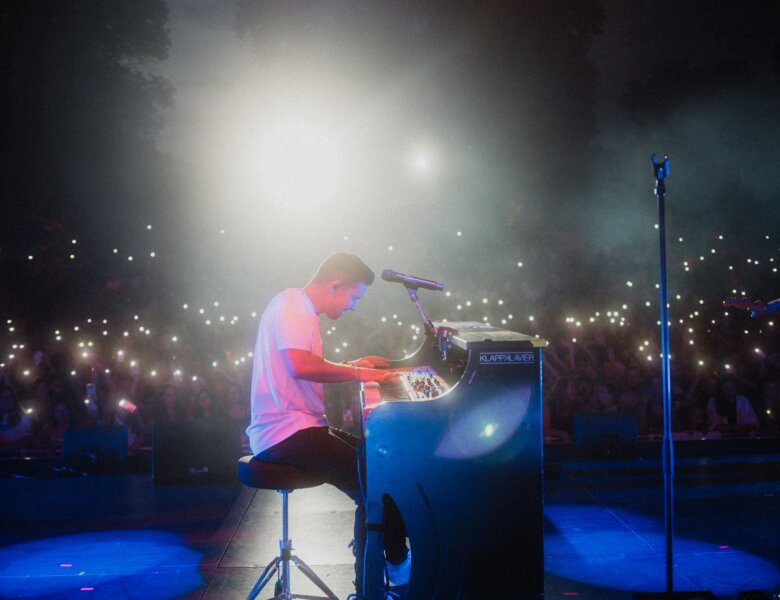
x=344, y=265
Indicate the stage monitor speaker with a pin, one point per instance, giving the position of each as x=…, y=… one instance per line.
x=592, y=430
x=607, y=436
x=95, y=445
x=700, y=595
x=201, y=450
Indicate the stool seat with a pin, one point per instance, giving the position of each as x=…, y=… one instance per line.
x=266, y=475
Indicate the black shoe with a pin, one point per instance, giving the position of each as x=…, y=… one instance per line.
x=398, y=573
x=396, y=592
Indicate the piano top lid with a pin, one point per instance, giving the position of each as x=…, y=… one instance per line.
x=465, y=333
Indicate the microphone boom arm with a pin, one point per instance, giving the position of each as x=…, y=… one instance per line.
x=429, y=328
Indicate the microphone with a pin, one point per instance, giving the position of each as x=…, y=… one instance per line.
x=410, y=281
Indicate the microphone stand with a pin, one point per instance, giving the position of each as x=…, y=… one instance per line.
x=758, y=308
x=661, y=171
x=429, y=328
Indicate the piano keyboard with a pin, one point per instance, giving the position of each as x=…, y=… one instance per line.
x=422, y=383
x=417, y=384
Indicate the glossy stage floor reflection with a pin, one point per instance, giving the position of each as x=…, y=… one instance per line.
x=101, y=536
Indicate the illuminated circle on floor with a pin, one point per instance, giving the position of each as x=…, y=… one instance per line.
x=105, y=564
x=620, y=549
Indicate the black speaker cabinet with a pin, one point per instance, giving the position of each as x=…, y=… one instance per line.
x=95, y=444
x=201, y=450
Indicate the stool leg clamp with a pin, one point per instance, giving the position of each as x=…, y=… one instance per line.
x=281, y=565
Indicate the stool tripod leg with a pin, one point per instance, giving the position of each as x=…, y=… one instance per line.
x=266, y=576
x=306, y=570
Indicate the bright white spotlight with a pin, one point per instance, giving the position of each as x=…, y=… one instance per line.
x=424, y=161
x=292, y=158
x=298, y=162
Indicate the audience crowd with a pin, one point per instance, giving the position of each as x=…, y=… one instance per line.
x=150, y=359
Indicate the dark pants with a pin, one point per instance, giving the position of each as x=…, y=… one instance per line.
x=332, y=455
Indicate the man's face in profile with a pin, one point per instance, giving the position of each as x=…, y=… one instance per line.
x=344, y=297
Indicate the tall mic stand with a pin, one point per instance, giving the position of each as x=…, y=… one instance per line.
x=661, y=171
x=429, y=328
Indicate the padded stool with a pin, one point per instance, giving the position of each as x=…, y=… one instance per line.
x=284, y=479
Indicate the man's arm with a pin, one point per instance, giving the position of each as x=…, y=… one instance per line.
x=373, y=362
x=305, y=365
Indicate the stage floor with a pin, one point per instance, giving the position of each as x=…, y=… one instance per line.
x=122, y=536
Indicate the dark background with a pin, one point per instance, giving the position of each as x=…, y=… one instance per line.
x=543, y=114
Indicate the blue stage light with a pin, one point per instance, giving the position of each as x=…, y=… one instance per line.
x=105, y=564
x=624, y=550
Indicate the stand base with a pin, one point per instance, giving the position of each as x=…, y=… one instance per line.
x=700, y=595
x=282, y=589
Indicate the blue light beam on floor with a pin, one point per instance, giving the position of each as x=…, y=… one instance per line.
x=106, y=564
x=624, y=550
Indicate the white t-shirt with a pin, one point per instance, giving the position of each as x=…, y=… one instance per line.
x=281, y=404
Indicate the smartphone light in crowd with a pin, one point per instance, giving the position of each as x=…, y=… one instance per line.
x=86, y=400
x=127, y=405
x=29, y=411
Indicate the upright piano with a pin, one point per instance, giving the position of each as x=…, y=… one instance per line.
x=458, y=448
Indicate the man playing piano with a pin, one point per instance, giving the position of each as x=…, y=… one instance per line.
x=288, y=422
